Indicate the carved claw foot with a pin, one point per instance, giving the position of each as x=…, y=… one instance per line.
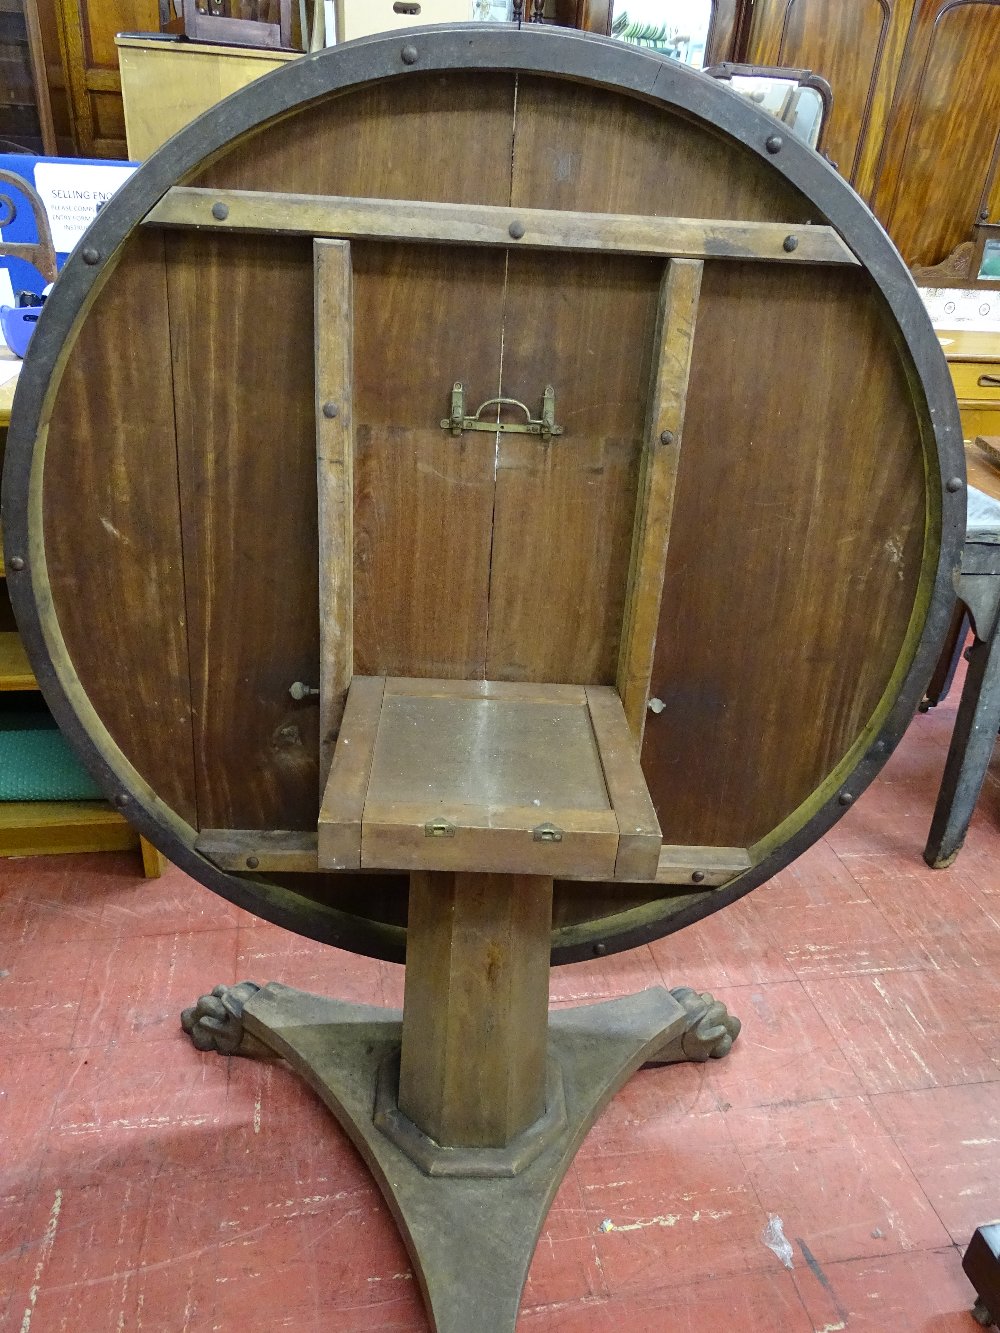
x=215, y=1023
x=710, y=1032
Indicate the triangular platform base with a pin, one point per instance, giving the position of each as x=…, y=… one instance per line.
x=470, y=1238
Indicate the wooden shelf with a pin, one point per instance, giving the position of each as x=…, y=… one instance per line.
x=15, y=671
x=30, y=828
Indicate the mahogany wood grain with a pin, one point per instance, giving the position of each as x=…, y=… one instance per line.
x=424, y=318
x=259, y=850
x=938, y=166
x=857, y=45
x=593, y=151
x=556, y=594
x=112, y=526
x=790, y=577
x=393, y=140
x=246, y=442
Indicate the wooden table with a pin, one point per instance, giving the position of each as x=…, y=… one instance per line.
x=979, y=710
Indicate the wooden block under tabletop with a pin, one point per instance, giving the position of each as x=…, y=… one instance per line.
x=489, y=776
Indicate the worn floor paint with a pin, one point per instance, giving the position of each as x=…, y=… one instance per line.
x=145, y=1188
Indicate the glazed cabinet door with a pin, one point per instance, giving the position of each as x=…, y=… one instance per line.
x=857, y=46
x=938, y=168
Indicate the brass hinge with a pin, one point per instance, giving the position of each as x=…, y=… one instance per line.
x=543, y=426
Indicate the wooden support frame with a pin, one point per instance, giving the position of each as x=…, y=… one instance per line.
x=485, y=224
x=343, y=798
x=334, y=342
x=672, y=350
x=283, y=851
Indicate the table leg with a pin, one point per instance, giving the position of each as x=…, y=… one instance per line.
x=969, y=754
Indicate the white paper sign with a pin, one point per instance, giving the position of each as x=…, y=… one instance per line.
x=72, y=193
x=975, y=309
x=6, y=298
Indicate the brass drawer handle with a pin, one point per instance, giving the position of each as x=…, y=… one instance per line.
x=989, y=381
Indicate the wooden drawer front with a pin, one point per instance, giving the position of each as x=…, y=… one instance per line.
x=978, y=419
x=979, y=380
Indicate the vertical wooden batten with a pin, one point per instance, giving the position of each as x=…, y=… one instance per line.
x=674, y=340
x=335, y=485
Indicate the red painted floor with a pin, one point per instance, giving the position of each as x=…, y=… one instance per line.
x=146, y=1187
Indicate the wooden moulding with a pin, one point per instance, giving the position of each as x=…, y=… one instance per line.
x=259, y=849
x=274, y=850
x=672, y=348
x=335, y=485
x=705, y=867
x=339, y=826
x=483, y=224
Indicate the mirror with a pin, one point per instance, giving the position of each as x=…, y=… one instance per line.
x=797, y=97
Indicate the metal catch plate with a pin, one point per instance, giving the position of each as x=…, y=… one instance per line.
x=547, y=833
x=439, y=828
x=543, y=426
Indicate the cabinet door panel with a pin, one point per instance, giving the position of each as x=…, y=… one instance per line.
x=937, y=162
x=90, y=63
x=857, y=46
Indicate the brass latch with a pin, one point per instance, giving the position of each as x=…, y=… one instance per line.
x=439, y=828
x=547, y=833
x=544, y=426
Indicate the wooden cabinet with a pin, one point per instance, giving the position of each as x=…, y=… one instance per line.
x=857, y=45
x=938, y=166
x=916, y=87
x=87, y=31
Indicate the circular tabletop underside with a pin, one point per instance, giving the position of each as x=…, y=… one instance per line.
x=623, y=230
